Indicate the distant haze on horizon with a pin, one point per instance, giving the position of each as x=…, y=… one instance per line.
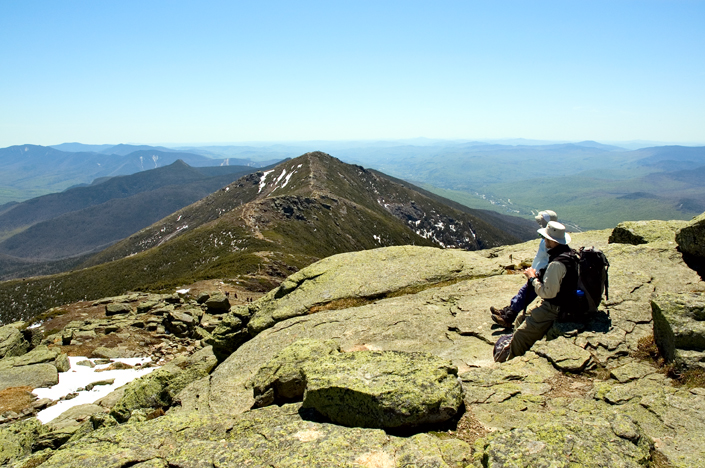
x=297, y=72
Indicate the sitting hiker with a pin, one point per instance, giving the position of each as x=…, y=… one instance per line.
x=505, y=317
x=556, y=286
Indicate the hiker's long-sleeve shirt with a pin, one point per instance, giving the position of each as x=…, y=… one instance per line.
x=551, y=284
x=541, y=258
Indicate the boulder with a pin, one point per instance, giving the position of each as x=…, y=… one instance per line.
x=12, y=343
x=17, y=439
x=62, y=362
x=217, y=303
x=202, y=297
x=679, y=325
x=228, y=335
x=117, y=309
x=33, y=336
x=159, y=389
x=38, y=355
x=180, y=323
x=644, y=232
x=35, y=376
x=691, y=238
x=282, y=379
x=383, y=389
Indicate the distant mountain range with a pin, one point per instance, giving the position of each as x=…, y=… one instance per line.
x=82, y=220
x=591, y=184
x=256, y=230
x=588, y=185
x=29, y=171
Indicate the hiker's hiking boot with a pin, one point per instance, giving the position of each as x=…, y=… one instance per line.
x=498, y=316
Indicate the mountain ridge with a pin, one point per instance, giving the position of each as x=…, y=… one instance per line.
x=260, y=229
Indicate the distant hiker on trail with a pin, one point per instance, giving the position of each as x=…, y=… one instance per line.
x=556, y=286
x=505, y=317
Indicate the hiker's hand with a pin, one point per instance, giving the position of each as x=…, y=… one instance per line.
x=530, y=273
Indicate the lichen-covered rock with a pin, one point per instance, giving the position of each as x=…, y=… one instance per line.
x=33, y=459
x=12, y=343
x=62, y=362
x=592, y=442
x=202, y=297
x=16, y=439
x=679, y=324
x=632, y=371
x=563, y=354
x=282, y=379
x=228, y=335
x=644, y=232
x=691, y=238
x=35, y=376
x=217, y=303
x=40, y=354
x=33, y=336
x=158, y=389
x=393, y=269
x=271, y=436
x=180, y=323
x=118, y=309
x=107, y=353
x=383, y=389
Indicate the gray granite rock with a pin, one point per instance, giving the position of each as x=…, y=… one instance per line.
x=644, y=232
x=691, y=238
x=118, y=309
x=282, y=379
x=679, y=324
x=217, y=303
x=271, y=436
x=12, y=343
x=383, y=389
x=35, y=376
x=563, y=354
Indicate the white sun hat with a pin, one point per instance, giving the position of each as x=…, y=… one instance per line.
x=556, y=232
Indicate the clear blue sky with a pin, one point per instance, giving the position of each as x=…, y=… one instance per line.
x=229, y=71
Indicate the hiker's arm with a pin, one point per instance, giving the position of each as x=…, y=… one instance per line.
x=541, y=258
x=551, y=284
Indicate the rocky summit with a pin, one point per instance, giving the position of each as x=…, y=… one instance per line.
x=383, y=358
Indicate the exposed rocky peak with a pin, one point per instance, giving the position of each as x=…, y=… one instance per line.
x=585, y=396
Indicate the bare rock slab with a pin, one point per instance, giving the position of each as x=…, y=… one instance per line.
x=36, y=375
x=595, y=443
x=645, y=232
x=383, y=389
x=267, y=437
x=563, y=354
x=368, y=274
x=679, y=326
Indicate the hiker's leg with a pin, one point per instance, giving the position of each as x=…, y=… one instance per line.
x=520, y=319
x=532, y=328
x=520, y=302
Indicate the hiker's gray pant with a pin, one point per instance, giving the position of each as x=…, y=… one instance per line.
x=532, y=326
